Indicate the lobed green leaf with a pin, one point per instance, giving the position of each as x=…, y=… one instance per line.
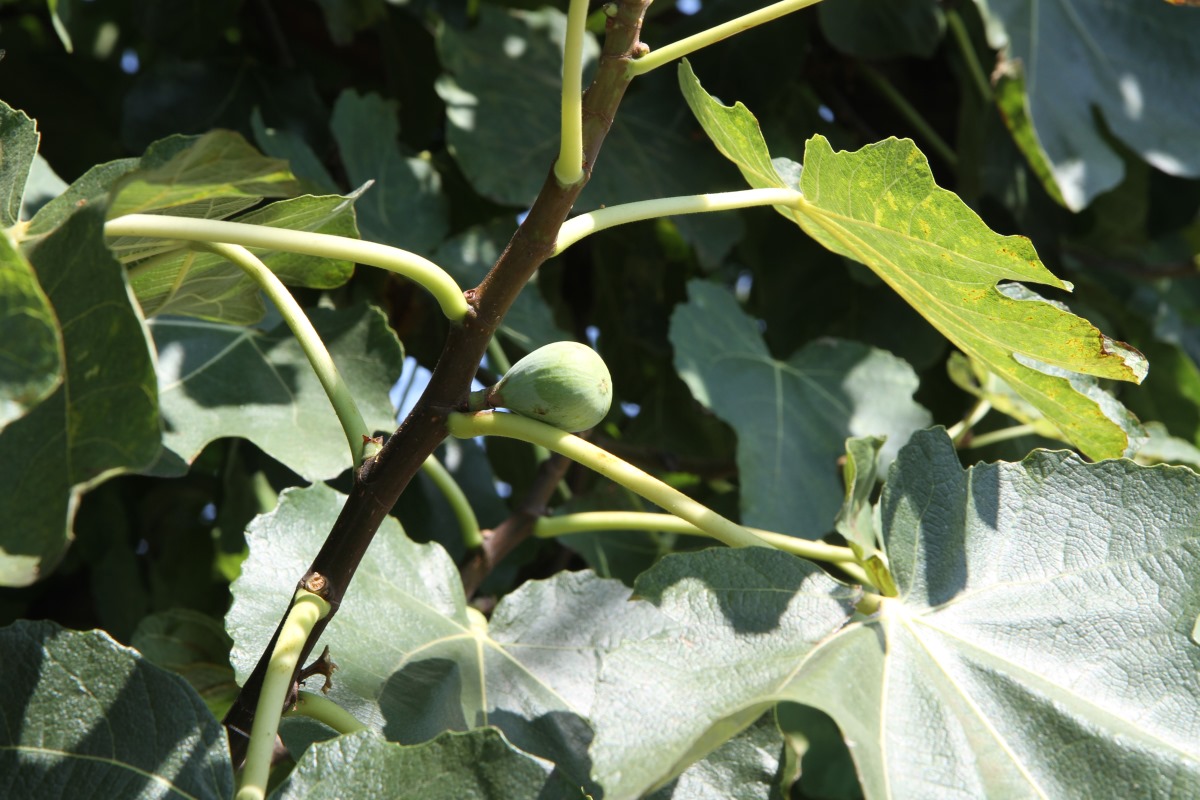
x=1131, y=63
x=424, y=666
x=791, y=417
x=476, y=765
x=1040, y=643
x=101, y=420
x=741, y=622
x=880, y=206
x=84, y=714
x=220, y=380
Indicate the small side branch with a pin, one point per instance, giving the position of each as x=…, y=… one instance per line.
x=324, y=710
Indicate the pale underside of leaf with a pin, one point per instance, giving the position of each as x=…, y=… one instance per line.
x=1029, y=601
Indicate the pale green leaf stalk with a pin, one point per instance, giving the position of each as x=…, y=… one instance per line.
x=960, y=429
x=420, y=270
x=692, y=43
x=318, y=356
x=324, y=710
x=568, y=169
x=562, y=525
x=459, y=504
x=583, y=225
x=307, y=610
x=513, y=426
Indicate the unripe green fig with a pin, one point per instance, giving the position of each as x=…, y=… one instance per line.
x=564, y=384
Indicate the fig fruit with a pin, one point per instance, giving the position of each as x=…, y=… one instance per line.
x=564, y=384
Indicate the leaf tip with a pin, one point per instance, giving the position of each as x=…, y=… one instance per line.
x=1134, y=361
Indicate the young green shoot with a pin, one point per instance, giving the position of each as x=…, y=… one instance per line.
x=497, y=359
x=1001, y=435
x=583, y=225
x=580, y=522
x=422, y=271
x=459, y=504
x=961, y=429
x=488, y=423
x=568, y=169
x=351, y=419
x=324, y=710
x=306, y=611
x=667, y=54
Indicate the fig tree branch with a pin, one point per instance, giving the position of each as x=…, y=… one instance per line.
x=503, y=539
x=382, y=478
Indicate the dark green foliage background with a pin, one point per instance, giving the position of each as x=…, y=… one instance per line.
x=372, y=90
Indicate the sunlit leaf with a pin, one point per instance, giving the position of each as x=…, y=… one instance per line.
x=101, y=420
x=225, y=380
x=209, y=176
x=427, y=665
x=83, y=714
x=1039, y=644
x=880, y=206
x=1029, y=602
x=177, y=280
x=744, y=768
x=478, y=765
x=740, y=622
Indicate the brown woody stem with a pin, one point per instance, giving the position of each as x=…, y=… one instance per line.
x=380, y=480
